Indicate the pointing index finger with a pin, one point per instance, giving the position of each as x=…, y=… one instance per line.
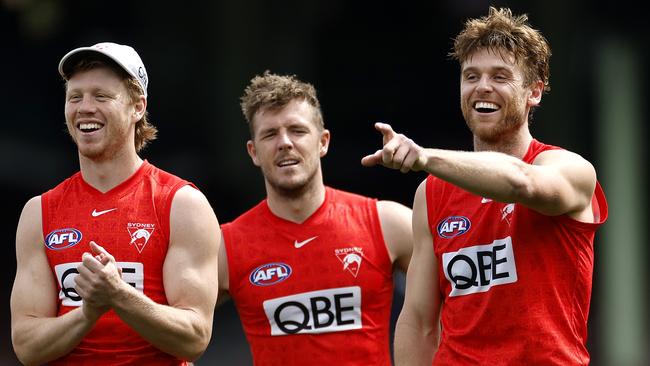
x=386, y=131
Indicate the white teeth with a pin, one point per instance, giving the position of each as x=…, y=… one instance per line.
x=287, y=162
x=486, y=105
x=89, y=126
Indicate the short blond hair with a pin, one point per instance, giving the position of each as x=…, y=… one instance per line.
x=274, y=91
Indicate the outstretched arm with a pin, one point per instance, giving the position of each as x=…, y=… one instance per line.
x=417, y=330
x=37, y=334
x=558, y=182
x=190, y=277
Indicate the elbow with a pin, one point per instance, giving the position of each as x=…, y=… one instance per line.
x=191, y=353
x=522, y=188
x=20, y=349
x=191, y=356
x=521, y=192
x=23, y=356
x=197, y=345
x=195, y=353
x=26, y=357
x=540, y=200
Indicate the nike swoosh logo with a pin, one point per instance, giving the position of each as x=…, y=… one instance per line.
x=99, y=213
x=299, y=244
x=486, y=200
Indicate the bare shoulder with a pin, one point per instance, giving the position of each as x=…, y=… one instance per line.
x=396, y=227
x=565, y=183
x=394, y=216
x=33, y=206
x=188, y=196
x=192, y=218
x=573, y=167
x=392, y=209
x=563, y=157
x=30, y=225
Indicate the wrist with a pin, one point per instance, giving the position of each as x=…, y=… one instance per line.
x=92, y=313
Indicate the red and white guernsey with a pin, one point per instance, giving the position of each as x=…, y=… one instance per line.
x=516, y=284
x=316, y=293
x=132, y=222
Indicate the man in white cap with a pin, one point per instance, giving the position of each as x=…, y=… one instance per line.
x=118, y=263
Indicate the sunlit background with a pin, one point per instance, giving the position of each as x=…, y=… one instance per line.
x=370, y=61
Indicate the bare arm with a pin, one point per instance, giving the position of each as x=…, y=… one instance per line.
x=190, y=275
x=558, y=182
x=398, y=233
x=417, y=330
x=224, y=287
x=37, y=334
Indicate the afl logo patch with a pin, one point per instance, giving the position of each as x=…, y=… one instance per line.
x=270, y=274
x=453, y=226
x=63, y=238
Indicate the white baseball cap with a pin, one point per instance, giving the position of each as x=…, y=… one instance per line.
x=125, y=56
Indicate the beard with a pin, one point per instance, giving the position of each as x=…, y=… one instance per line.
x=293, y=189
x=111, y=146
x=514, y=117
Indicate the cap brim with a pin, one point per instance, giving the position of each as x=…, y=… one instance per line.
x=73, y=57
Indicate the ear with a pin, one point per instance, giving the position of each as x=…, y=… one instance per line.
x=140, y=108
x=252, y=152
x=324, y=142
x=536, y=91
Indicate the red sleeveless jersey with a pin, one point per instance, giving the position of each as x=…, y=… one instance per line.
x=131, y=221
x=316, y=293
x=516, y=284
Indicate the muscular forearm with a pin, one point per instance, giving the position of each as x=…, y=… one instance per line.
x=40, y=340
x=490, y=174
x=179, y=332
x=413, y=344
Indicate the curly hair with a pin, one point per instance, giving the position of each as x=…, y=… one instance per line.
x=272, y=91
x=144, y=130
x=500, y=31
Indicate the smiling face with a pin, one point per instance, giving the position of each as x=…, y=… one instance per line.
x=287, y=146
x=494, y=100
x=99, y=114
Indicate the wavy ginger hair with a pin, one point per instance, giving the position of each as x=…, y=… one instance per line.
x=502, y=32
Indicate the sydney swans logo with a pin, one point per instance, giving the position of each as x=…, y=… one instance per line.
x=351, y=259
x=140, y=234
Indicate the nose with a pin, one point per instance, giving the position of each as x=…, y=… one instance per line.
x=484, y=85
x=86, y=106
x=284, y=141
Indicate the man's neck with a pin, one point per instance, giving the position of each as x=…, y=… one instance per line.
x=299, y=208
x=105, y=175
x=515, y=145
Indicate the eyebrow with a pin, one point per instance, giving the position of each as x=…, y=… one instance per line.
x=93, y=90
x=491, y=69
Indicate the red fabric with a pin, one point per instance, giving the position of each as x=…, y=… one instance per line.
x=347, y=230
x=529, y=308
x=142, y=202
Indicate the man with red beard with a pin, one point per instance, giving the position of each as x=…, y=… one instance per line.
x=310, y=267
x=116, y=265
x=503, y=236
